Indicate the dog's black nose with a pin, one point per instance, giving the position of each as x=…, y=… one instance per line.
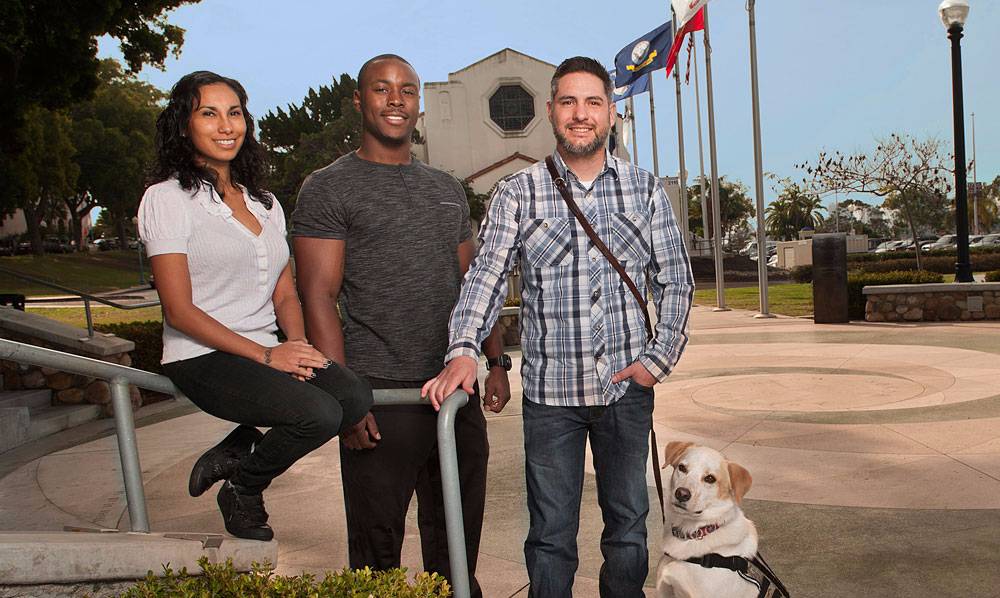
x=682, y=494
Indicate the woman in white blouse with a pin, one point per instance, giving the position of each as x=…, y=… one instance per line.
x=220, y=260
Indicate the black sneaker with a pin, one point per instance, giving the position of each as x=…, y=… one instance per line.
x=244, y=514
x=220, y=461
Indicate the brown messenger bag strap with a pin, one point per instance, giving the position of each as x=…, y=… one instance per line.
x=567, y=196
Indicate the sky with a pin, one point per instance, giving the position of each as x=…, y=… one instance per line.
x=833, y=74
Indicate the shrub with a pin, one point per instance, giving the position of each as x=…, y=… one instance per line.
x=857, y=281
x=993, y=276
x=944, y=264
x=802, y=273
x=148, y=339
x=223, y=581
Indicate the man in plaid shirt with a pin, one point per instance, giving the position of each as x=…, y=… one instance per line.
x=588, y=368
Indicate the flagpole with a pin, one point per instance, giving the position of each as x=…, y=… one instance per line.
x=720, y=283
x=683, y=221
x=701, y=151
x=635, y=148
x=652, y=126
x=975, y=181
x=758, y=159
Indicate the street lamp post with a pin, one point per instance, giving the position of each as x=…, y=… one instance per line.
x=953, y=14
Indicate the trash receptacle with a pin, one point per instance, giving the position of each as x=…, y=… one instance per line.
x=829, y=255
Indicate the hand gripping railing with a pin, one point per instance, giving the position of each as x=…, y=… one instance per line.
x=120, y=377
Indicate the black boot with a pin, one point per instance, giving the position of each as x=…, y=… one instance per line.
x=220, y=461
x=244, y=513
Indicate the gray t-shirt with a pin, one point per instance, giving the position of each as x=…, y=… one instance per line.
x=402, y=226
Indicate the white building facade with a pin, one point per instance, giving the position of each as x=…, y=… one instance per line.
x=488, y=120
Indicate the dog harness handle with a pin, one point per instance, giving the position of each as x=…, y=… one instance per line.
x=755, y=571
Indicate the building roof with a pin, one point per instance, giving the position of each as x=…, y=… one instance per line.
x=498, y=164
x=476, y=63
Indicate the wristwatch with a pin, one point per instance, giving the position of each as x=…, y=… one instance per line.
x=502, y=361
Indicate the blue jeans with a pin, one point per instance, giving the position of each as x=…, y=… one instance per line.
x=555, y=447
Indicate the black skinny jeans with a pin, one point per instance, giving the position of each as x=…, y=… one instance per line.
x=302, y=416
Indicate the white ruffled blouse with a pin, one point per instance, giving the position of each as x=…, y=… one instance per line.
x=233, y=272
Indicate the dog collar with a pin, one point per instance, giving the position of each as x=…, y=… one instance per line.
x=697, y=534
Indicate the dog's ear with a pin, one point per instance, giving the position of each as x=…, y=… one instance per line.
x=739, y=480
x=675, y=449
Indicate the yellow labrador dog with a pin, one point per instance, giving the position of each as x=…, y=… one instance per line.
x=704, y=524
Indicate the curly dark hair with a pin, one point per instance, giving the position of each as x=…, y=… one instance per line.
x=176, y=155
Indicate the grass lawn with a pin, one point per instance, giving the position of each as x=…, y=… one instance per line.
x=75, y=316
x=794, y=299
x=87, y=272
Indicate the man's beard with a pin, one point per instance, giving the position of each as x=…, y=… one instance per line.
x=582, y=149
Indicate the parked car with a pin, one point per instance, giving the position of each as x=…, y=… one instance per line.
x=991, y=240
x=943, y=242
x=55, y=244
x=751, y=249
x=908, y=244
x=890, y=246
x=106, y=243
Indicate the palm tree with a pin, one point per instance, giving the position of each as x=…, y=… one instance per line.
x=794, y=209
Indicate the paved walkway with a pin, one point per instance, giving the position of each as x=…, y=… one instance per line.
x=875, y=452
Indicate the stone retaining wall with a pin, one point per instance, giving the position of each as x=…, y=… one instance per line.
x=67, y=389
x=932, y=302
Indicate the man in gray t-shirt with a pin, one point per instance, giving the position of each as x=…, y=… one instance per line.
x=387, y=240
x=402, y=224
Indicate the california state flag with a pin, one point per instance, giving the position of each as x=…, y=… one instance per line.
x=686, y=10
x=690, y=17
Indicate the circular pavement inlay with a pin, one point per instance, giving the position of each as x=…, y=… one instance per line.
x=806, y=392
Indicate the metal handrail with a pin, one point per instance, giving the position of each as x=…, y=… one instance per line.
x=87, y=297
x=121, y=376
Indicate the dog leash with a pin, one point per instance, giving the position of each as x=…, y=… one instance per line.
x=759, y=562
x=567, y=196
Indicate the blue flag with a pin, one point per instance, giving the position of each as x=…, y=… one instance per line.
x=644, y=55
x=640, y=85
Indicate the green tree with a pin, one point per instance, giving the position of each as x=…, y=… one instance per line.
x=308, y=136
x=113, y=133
x=734, y=203
x=43, y=173
x=794, y=209
x=477, y=202
x=48, y=56
x=911, y=175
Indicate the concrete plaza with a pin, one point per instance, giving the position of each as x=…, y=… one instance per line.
x=874, y=448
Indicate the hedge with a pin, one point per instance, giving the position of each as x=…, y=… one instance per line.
x=148, y=339
x=993, y=276
x=911, y=254
x=223, y=581
x=857, y=281
x=944, y=264
x=802, y=273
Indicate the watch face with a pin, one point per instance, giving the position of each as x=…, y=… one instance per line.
x=505, y=361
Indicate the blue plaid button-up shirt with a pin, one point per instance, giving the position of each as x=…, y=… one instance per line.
x=579, y=322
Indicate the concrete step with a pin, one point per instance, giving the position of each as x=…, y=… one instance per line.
x=41, y=397
x=28, y=558
x=13, y=427
x=49, y=420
